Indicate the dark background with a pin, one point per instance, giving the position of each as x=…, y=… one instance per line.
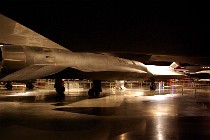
x=120, y=27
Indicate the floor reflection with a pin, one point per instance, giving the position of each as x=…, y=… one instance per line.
x=122, y=115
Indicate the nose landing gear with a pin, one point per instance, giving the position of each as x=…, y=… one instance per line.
x=152, y=85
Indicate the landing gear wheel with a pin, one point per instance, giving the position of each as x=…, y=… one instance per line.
x=29, y=86
x=60, y=90
x=96, y=89
x=91, y=92
x=152, y=87
x=97, y=94
x=8, y=85
x=59, y=86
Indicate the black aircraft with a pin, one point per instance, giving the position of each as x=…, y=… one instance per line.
x=27, y=55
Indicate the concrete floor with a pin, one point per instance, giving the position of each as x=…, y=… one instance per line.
x=131, y=114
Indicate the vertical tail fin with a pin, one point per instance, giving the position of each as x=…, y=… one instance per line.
x=178, y=68
x=175, y=65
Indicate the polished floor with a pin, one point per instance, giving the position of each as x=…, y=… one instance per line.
x=130, y=114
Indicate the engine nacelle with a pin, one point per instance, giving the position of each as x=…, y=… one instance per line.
x=12, y=58
x=15, y=57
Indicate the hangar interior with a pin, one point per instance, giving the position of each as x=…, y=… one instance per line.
x=76, y=85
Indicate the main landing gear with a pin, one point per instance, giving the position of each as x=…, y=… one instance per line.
x=152, y=85
x=29, y=85
x=8, y=85
x=96, y=89
x=59, y=86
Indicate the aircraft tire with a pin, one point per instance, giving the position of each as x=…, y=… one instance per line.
x=91, y=92
x=29, y=86
x=152, y=87
x=60, y=90
x=8, y=86
x=97, y=94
